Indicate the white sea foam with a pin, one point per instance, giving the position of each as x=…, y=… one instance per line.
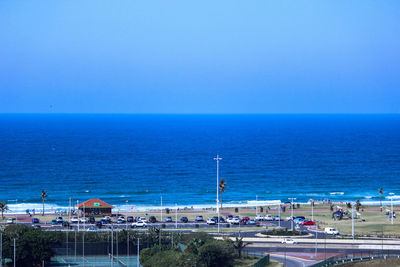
x=336, y=193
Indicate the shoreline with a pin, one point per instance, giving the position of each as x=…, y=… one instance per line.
x=52, y=208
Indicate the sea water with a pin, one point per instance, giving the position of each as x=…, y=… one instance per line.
x=131, y=161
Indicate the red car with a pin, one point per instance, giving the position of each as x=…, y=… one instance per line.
x=308, y=223
x=245, y=218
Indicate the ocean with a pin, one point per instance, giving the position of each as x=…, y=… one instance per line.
x=131, y=161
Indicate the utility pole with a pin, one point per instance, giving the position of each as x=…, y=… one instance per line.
x=352, y=219
x=218, y=159
x=391, y=204
x=161, y=209
x=291, y=201
x=14, y=254
x=176, y=216
x=138, y=253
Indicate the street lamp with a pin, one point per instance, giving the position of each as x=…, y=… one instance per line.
x=16, y=214
x=312, y=209
x=218, y=159
x=352, y=219
x=291, y=201
x=391, y=204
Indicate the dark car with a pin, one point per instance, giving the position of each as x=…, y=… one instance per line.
x=299, y=217
x=221, y=220
x=54, y=222
x=168, y=219
x=65, y=224
x=130, y=219
x=229, y=216
x=91, y=219
x=104, y=221
x=35, y=220
x=152, y=219
x=99, y=224
x=184, y=219
x=199, y=218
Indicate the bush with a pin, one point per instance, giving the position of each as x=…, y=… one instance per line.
x=216, y=253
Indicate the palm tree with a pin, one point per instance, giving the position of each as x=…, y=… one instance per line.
x=44, y=195
x=222, y=185
x=3, y=208
x=239, y=245
x=380, y=196
x=358, y=205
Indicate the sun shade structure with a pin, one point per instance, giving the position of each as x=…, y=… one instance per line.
x=95, y=206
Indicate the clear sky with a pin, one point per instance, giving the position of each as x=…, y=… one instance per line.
x=200, y=56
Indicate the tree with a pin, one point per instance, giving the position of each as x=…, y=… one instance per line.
x=33, y=245
x=380, y=196
x=239, y=245
x=358, y=205
x=3, y=208
x=44, y=195
x=215, y=253
x=222, y=185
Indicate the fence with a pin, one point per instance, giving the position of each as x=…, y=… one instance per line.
x=352, y=258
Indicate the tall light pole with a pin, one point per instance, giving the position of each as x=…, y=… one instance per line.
x=279, y=214
x=218, y=159
x=352, y=219
x=312, y=209
x=391, y=204
x=291, y=201
x=176, y=216
x=161, y=209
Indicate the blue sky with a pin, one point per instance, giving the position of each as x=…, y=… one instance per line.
x=199, y=56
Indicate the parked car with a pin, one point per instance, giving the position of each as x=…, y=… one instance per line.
x=65, y=224
x=251, y=222
x=103, y=221
x=221, y=220
x=211, y=221
x=83, y=220
x=268, y=217
x=234, y=221
x=35, y=220
x=59, y=219
x=228, y=216
x=11, y=220
x=93, y=229
x=75, y=219
x=184, y=219
x=120, y=221
x=308, y=223
x=99, y=224
x=259, y=217
x=54, y=222
x=36, y=225
x=277, y=218
x=152, y=219
x=107, y=218
x=299, y=217
x=92, y=220
x=331, y=231
x=168, y=219
x=289, y=241
x=129, y=219
x=139, y=224
x=199, y=218
x=246, y=218
x=299, y=220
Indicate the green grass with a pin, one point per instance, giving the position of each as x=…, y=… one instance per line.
x=373, y=263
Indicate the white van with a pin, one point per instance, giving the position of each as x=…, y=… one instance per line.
x=331, y=231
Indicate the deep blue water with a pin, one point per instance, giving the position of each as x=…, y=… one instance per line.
x=141, y=157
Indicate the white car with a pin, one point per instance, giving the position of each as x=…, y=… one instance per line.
x=83, y=220
x=211, y=221
x=11, y=220
x=74, y=219
x=93, y=229
x=59, y=219
x=139, y=224
x=289, y=241
x=268, y=217
x=331, y=231
x=259, y=217
x=234, y=221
